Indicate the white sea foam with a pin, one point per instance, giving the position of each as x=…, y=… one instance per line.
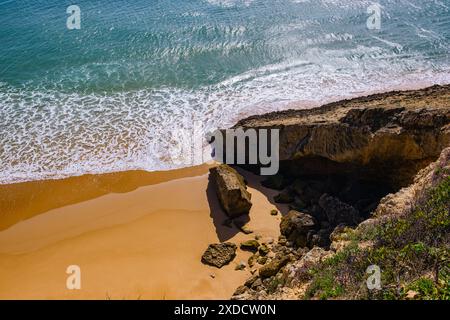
x=46, y=134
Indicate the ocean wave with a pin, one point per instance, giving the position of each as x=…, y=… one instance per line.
x=47, y=134
x=113, y=95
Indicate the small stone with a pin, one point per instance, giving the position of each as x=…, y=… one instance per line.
x=219, y=254
x=262, y=260
x=212, y=275
x=284, y=197
x=282, y=240
x=263, y=250
x=240, y=266
x=269, y=240
x=251, y=260
x=277, y=182
x=274, y=212
x=246, y=230
x=250, y=245
x=257, y=237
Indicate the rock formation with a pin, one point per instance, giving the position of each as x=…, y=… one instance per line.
x=219, y=254
x=347, y=165
x=231, y=190
x=383, y=137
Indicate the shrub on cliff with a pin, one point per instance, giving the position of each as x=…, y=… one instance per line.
x=412, y=251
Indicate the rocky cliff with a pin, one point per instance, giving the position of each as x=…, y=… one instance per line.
x=370, y=174
x=385, y=137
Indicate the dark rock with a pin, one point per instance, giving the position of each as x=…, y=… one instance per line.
x=271, y=268
x=320, y=239
x=263, y=250
x=231, y=190
x=277, y=182
x=219, y=254
x=367, y=210
x=240, y=290
x=295, y=227
x=250, y=281
x=282, y=240
x=317, y=212
x=262, y=260
x=298, y=204
x=325, y=225
x=274, y=212
x=284, y=197
x=337, y=211
x=299, y=186
x=312, y=194
x=251, y=260
x=250, y=245
x=295, y=220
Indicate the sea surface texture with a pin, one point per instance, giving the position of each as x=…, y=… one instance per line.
x=122, y=91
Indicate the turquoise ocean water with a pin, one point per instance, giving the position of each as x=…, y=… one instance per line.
x=108, y=96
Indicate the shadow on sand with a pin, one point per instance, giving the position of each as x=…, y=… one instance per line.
x=226, y=231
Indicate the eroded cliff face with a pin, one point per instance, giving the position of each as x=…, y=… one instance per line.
x=293, y=280
x=386, y=137
x=346, y=166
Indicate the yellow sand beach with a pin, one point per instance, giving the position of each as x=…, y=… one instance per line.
x=135, y=235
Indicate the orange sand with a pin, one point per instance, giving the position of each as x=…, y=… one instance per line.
x=135, y=235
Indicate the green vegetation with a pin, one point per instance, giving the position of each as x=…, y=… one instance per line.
x=412, y=251
x=274, y=283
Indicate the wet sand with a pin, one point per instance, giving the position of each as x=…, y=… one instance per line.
x=135, y=235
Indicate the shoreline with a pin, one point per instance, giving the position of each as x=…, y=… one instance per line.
x=266, y=109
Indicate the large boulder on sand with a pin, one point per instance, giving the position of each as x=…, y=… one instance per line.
x=231, y=190
x=219, y=254
x=296, y=225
